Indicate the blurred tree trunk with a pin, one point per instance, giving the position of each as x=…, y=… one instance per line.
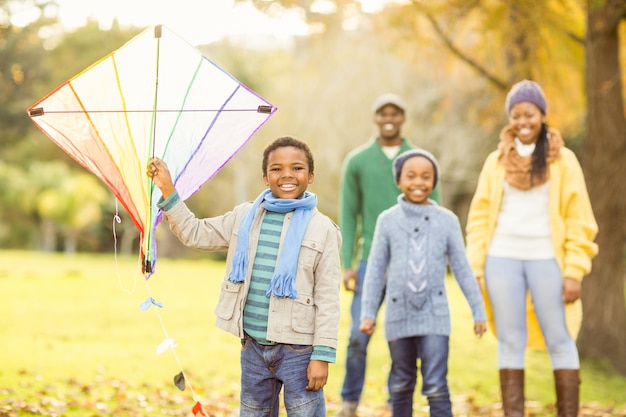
x=602, y=334
x=128, y=236
x=48, y=241
x=70, y=242
x=518, y=54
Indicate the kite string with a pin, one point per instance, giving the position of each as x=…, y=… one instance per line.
x=118, y=219
x=173, y=348
x=148, y=273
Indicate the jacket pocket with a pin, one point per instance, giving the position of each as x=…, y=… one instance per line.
x=310, y=251
x=227, y=302
x=303, y=315
x=440, y=302
x=396, y=308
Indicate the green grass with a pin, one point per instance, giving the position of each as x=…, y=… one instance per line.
x=70, y=324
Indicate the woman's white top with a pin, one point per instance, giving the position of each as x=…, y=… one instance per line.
x=523, y=225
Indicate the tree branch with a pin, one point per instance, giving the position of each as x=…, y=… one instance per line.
x=574, y=37
x=618, y=13
x=456, y=51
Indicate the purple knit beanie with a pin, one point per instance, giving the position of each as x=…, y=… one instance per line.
x=399, y=161
x=526, y=90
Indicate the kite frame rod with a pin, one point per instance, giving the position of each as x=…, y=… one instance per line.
x=39, y=111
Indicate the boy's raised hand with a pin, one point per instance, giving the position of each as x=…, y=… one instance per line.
x=160, y=174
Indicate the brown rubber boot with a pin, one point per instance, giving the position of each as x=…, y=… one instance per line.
x=512, y=388
x=567, y=383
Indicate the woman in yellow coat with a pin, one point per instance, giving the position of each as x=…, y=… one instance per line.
x=530, y=233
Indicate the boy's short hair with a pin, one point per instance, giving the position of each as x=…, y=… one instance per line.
x=284, y=142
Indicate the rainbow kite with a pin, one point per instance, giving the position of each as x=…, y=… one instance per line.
x=155, y=96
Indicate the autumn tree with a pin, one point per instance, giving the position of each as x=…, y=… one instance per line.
x=531, y=29
x=70, y=208
x=30, y=66
x=21, y=55
x=604, y=158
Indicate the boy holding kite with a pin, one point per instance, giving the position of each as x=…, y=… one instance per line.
x=280, y=294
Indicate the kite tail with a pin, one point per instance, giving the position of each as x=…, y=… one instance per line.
x=282, y=286
x=240, y=263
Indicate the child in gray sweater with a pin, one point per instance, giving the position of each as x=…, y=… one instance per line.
x=413, y=242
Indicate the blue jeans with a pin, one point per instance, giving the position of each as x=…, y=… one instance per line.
x=432, y=350
x=507, y=282
x=356, y=356
x=266, y=369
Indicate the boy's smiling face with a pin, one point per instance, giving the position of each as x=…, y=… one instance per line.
x=288, y=174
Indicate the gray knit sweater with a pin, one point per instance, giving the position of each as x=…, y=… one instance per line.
x=411, y=249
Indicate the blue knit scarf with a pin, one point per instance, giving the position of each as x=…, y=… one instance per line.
x=283, y=283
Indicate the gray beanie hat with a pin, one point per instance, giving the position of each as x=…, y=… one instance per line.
x=399, y=161
x=526, y=90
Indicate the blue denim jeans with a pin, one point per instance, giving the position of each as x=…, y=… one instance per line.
x=264, y=372
x=356, y=355
x=508, y=281
x=432, y=351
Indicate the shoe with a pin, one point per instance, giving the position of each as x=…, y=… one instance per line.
x=348, y=409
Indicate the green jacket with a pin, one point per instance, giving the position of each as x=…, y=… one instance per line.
x=367, y=188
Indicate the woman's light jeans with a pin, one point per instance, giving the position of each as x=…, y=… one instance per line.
x=507, y=282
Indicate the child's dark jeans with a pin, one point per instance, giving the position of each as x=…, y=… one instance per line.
x=264, y=372
x=433, y=352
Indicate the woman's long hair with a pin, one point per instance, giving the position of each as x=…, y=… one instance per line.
x=539, y=166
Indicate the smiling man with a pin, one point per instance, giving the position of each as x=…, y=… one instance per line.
x=367, y=188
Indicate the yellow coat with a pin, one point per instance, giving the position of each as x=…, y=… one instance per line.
x=572, y=225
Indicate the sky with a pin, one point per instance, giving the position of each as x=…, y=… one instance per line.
x=197, y=21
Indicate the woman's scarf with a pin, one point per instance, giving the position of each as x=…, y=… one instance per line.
x=283, y=283
x=518, y=167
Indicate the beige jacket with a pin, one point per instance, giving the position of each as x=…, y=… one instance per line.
x=313, y=317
